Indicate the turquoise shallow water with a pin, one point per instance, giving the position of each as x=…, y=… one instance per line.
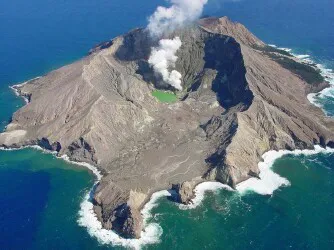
x=295, y=217
x=40, y=195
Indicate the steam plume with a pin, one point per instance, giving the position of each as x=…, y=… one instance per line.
x=163, y=57
x=163, y=21
x=168, y=19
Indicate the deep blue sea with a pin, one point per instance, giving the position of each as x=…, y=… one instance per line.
x=40, y=195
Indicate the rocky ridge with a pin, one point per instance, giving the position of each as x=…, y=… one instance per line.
x=239, y=102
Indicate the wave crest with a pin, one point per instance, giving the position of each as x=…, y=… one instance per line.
x=269, y=181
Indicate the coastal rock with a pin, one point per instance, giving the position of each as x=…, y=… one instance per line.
x=241, y=99
x=185, y=191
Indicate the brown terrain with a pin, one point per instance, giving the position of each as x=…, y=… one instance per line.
x=241, y=98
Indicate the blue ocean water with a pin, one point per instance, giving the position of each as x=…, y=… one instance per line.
x=40, y=196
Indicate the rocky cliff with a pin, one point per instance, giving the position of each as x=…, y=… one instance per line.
x=241, y=98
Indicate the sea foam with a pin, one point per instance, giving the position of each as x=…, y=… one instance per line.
x=302, y=56
x=92, y=168
x=270, y=181
x=328, y=74
x=151, y=231
x=87, y=217
x=200, y=191
x=29, y=146
x=266, y=185
x=14, y=88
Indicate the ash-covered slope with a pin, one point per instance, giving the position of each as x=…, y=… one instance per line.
x=241, y=99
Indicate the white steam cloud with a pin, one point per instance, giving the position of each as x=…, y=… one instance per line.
x=163, y=57
x=165, y=20
x=181, y=12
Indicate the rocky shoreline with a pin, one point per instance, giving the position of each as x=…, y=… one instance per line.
x=100, y=110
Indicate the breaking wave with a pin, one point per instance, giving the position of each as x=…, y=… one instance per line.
x=30, y=146
x=92, y=168
x=200, y=191
x=87, y=217
x=17, y=93
x=265, y=185
x=150, y=234
x=269, y=181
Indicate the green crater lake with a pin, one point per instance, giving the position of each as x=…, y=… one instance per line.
x=164, y=96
